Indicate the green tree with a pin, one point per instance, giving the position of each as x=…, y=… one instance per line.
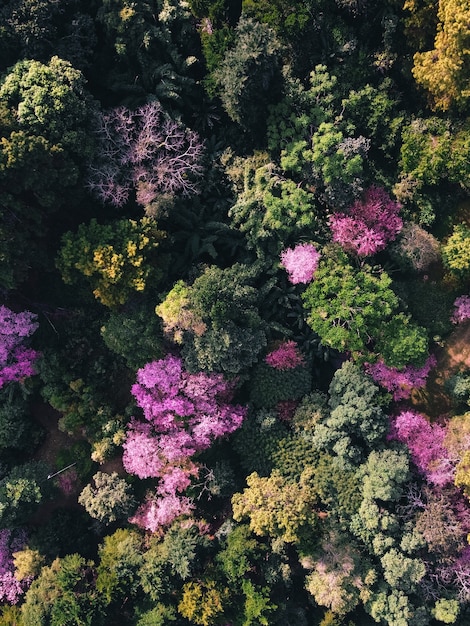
x=456, y=251
x=356, y=423
x=249, y=76
x=64, y=594
x=108, y=498
x=278, y=508
x=203, y=602
x=444, y=71
x=21, y=490
x=346, y=306
x=402, y=342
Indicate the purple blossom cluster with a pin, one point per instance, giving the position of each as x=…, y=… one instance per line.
x=184, y=414
x=301, y=262
x=286, y=356
x=369, y=224
x=462, y=310
x=425, y=441
x=400, y=382
x=16, y=360
x=11, y=589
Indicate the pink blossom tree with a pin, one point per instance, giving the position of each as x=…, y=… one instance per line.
x=184, y=414
x=400, y=382
x=16, y=360
x=425, y=441
x=286, y=356
x=145, y=150
x=462, y=309
x=11, y=589
x=300, y=262
x=369, y=224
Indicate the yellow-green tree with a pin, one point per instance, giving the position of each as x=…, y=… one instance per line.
x=116, y=258
x=445, y=71
x=277, y=507
x=203, y=603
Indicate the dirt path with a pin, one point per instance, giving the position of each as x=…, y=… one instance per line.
x=453, y=357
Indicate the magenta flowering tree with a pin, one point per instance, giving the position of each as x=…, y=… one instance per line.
x=400, y=382
x=300, y=262
x=286, y=356
x=461, y=310
x=16, y=360
x=11, y=589
x=184, y=413
x=145, y=150
x=425, y=441
x=369, y=224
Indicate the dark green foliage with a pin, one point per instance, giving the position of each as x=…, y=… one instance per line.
x=64, y=593
x=249, y=76
x=18, y=430
x=135, y=334
x=66, y=531
x=269, y=386
x=22, y=490
x=257, y=441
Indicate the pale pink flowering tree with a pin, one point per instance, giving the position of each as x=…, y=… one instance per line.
x=462, y=309
x=400, y=382
x=11, y=589
x=184, y=414
x=369, y=224
x=16, y=360
x=286, y=356
x=425, y=441
x=300, y=262
x=145, y=150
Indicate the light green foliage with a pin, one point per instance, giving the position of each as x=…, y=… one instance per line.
x=346, y=306
x=356, y=423
x=446, y=611
x=258, y=605
x=120, y=559
x=462, y=474
x=311, y=410
x=135, y=334
x=27, y=563
x=277, y=507
x=456, y=251
x=290, y=122
x=385, y=473
x=50, y=101
x=394, y=607
x=249, y=76
x=108, y=498
x=402, y=342
x=116, y=259
x=64, y=593
x=402, y=572
x=240, y=553
x=203, y=602
x=160, y=615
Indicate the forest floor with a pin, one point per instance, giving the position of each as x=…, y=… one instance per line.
x=452, y=357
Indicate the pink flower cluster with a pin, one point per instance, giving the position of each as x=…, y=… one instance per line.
x=11, y=589
x=462, y=310
x=285, y=357
x=425, y=443
x=16, y=361
x=184, y=414
x=369, y=224
x=301, y=262
x=400, y=382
